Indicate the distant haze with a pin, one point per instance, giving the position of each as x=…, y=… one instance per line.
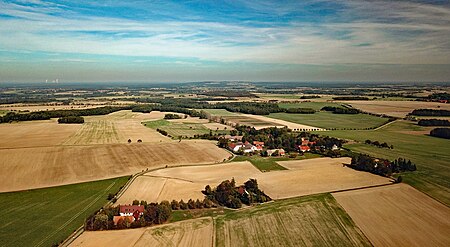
x=169, y=41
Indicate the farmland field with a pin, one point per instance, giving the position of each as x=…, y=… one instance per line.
x=179, y=128
x=330, y=120
x=431, y=154
x=25, y=168
x=219, y=112
x=397, y=215
x=299, y=179
x=43, y=217
x=306, y=104
x=189, y=233
x=395, y=108
x=265, y=164
x=306, y=221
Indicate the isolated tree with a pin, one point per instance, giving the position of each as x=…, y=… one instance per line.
x=129, y=140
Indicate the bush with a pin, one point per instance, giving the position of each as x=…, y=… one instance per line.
x=441, y=132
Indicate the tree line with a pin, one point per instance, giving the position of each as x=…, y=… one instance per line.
x=379, y=144
x=350, y=98
x=172, y=116
x=300, y=110
x=430, y=112
x=45, y=115
x=434, y=122
x=71, y=119
x=340, y=110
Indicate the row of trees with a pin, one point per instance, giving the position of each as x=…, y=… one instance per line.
x=300, y=110
x=378, y=144
x=172, y=116
x=350, y=98
x=340, y=110
x=382, y=167
x=45, y=115
x=229, y=195
x=71, y=119
x=430, y=112
x=441, y=132
x=434, y=122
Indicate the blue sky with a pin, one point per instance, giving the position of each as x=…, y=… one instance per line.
x=158, y=41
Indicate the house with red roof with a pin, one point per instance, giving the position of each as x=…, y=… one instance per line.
x=304, y=148
x=131, y=210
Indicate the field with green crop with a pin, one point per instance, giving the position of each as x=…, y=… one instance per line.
x=315, y=220
x=176, y=129
x=431, y=154
x=330, y=120
x=43, y=217
x=266, y=164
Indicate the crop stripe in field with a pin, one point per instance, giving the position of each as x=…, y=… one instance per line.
x=76, y=215
x=182, y=179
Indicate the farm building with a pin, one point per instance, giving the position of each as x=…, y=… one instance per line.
x=278, y=152
x=131, y=210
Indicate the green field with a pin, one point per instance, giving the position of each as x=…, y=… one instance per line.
x=313, y=105
x=316, y=220
x=3, y=112
x=43, y=217
x=330, y=120
x=266, y=164
x=431, y=154
x=176, y=129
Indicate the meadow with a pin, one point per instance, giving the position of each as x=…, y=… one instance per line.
x=309, y=104
x=431, y=154
x=185, y=129
x=43, y=217
x=330, y=120
x=266, y=164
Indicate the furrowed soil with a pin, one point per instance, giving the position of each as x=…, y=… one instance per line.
x=397, y=215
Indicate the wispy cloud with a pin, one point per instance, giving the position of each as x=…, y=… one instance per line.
x=272, y=32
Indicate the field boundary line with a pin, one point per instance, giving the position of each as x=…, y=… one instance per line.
x=384, y=125
x=154, y=176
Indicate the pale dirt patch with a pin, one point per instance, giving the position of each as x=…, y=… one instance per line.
x=26, y=168
x=35, y=133
x=215, y=126
x=188, y=233
x=395, y=108
x=279, y=122
x=119, y=238
x=398, y=215
x=304, y=177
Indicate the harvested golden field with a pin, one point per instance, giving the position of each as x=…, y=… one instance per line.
x=116, y=127
x=25, y=168
x=35, y=133
x=48, y=107
x=395, y=108
x=188, y=233
x=397, y=215
x=304, y=177
x=306, y=221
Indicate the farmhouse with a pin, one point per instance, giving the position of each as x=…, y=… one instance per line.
x=245, y=147
x=131, y=210
x=304, y=148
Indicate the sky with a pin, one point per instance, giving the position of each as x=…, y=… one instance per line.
x=177, y=41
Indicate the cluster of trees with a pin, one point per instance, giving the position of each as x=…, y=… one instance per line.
x=172, y=116
x=44, y=115
x=430, y=112
x=439, y=96
x=340, y=110
x=310, y=97
x=441, y=132
x=71, y=119
x=350, y=98
x=434, y=122
x=228, y=195
x=154, y=214
x=300, y=110
x=150, y=108
x=378, y=144
x=382, y=167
